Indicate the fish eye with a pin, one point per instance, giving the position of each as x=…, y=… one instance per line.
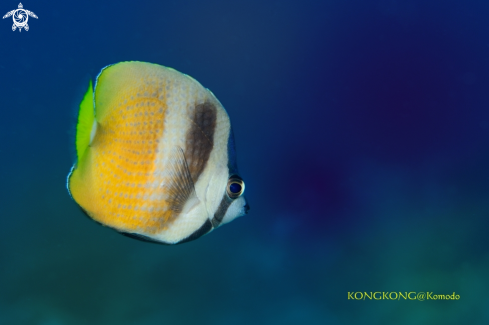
x=235, y=187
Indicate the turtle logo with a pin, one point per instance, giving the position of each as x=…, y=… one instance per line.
x=20, y=17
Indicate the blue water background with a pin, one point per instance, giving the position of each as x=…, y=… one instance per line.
x=362, y=130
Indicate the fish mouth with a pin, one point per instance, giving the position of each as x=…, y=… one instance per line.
x=246, y=208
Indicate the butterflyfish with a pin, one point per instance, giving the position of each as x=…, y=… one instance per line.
x=155, y=155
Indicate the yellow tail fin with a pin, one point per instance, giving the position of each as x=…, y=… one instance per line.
x=84, y=125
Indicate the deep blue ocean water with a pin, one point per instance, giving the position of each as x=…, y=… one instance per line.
x=362, y=130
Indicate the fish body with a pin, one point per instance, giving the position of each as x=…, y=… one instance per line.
x=155, y=155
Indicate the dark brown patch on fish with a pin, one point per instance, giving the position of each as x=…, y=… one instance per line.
x=200, y=138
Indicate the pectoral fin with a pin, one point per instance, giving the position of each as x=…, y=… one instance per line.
x=181, y=188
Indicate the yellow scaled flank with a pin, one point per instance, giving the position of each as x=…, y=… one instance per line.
x=117, y=182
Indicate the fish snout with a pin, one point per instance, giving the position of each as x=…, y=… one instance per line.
x=246, y=208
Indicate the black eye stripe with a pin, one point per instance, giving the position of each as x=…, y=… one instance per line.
x=235, y=178
x=221, y=210
x=227, y=199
